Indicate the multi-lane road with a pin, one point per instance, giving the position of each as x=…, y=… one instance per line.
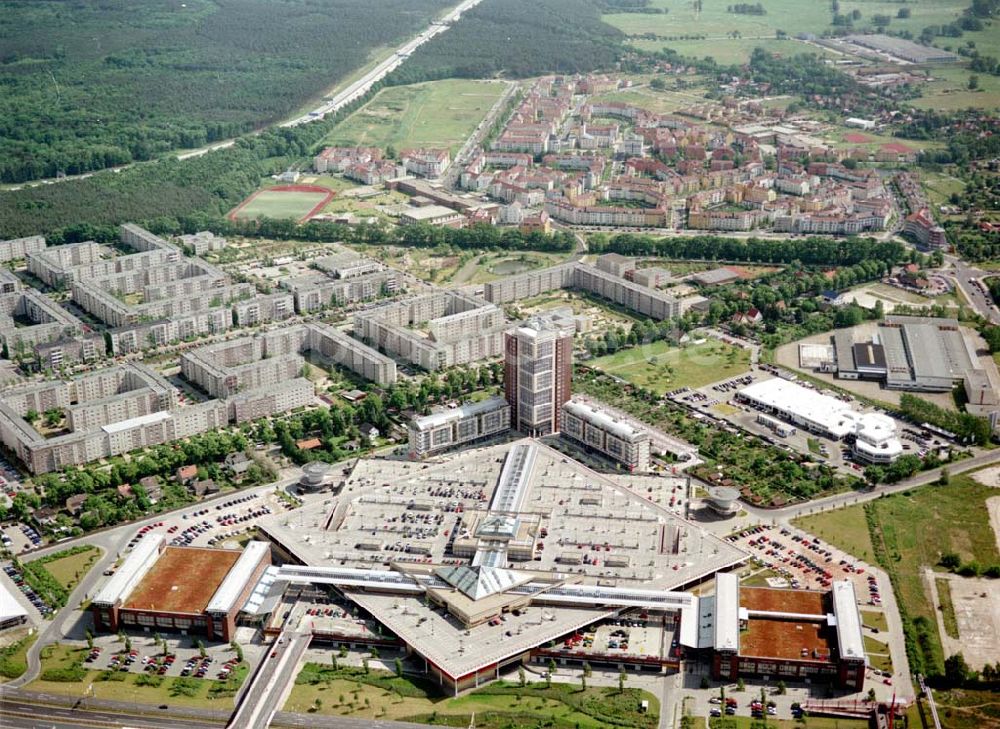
x=358, y=88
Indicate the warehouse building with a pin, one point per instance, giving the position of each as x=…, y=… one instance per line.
x=874, y=434
x=191, y=590
x=921, y=354
x=792, y=635
x=599, y=430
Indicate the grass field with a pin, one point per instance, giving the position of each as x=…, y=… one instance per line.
x=194, y=693
x=917, y=527
x=950, y=90
x=320, y=689
x=279, y=204
x=662, y=367
x=713, y=21
x=661, y=102
x=68, y=571
x=875, y=619
x=940, y=186
x=433, y=114
x=843, y=528
x=963, y=709
x=947, y=606
x=732, y=50
x=878, y=654
x=13, y=656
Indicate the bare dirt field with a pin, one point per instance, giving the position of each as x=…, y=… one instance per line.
x=977, y=612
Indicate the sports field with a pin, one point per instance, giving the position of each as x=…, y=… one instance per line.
x=433, y=114
x=662, y=367
x=298, y=202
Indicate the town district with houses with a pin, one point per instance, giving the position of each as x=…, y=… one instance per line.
x=646, y=392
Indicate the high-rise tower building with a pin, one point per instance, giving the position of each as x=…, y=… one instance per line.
x=538, y=370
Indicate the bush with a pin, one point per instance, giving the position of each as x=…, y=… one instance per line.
x=69, y=674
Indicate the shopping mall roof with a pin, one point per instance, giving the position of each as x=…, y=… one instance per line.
x=131, y=571
x=237, y=578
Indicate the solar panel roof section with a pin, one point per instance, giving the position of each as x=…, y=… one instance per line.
x=133, y=569
x=727, y=604
x=237, y=577
x=850, y=639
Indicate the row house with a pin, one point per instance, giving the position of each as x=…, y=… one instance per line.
x=608, y=216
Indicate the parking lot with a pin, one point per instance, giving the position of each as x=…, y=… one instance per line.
x=802, y=561
x=30, y=595
x=219, y=525
x=638, y=636
x=146, y=656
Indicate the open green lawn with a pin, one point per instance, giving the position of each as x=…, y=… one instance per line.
x=732, y=50
x=13, y=656
x=792, y=16
x=917, y=527
x=875, y=619
x=278, y=204
x=128, y=686
x=69, y=570
x=950, y=90
x=661, y=367
x=433, y=114
x=843, y=528
x=661, y=102
x=939, y=186
x=347, y=692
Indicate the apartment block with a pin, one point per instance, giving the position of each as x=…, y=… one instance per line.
x=458, y=426
x=11, y=250
x=595, y=428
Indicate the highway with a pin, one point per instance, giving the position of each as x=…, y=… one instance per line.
x=362, y=85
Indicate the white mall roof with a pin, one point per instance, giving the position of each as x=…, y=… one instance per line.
x=237, y=577
x=823, y=411
x=479, y=582
x=133, y=569
x=9, y=606
x=727, y=605
x=850, y=640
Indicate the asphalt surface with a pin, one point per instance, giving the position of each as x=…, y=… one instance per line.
x=113, y=542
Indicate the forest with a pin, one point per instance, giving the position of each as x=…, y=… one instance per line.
x=99, y=83
x=518, y=38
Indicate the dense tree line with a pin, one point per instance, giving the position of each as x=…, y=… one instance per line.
x=812, y=251
x=518, y=38
x=631, y=6
x=747, y=9
x=90, y=84
x=966, y=427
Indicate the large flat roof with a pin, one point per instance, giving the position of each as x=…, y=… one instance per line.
x=237, y=578
x=182, y=580
x=788, y=397
x=788, y=639
x=136, y=422
x=9, y=606
x=850, y=639
x=133, y=569
x=803, y=602
x=727, y=604
x=460, y=413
